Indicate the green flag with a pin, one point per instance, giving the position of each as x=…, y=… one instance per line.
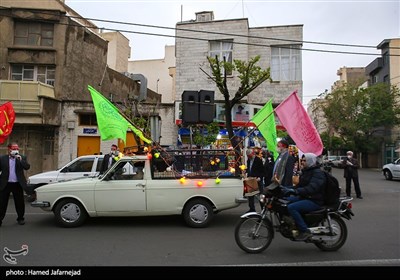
x=265, y=122
x=111, y=123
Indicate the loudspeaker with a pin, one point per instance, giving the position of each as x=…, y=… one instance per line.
x=190, y=106
x=207, y=107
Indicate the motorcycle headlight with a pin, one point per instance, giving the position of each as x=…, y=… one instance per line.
x=262, y=198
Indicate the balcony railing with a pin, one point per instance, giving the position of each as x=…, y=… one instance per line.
x=25, y=95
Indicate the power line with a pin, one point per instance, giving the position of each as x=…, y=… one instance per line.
x=234, y=42
x=225, y=34
x=231, y=34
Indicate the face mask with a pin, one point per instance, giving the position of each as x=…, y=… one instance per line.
x=14, y=153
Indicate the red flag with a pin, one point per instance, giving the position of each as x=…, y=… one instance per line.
x=7, y=118
x=298, y=124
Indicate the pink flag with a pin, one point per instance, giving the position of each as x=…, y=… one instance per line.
x=298, y=124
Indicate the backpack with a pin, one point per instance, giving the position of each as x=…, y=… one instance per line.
x=332, y=190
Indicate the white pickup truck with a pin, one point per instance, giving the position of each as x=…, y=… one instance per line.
x=133, y=186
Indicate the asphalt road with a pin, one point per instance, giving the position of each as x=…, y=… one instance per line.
x=373, y=238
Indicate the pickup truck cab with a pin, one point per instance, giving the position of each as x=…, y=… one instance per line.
x=81, y=167
x=132, y=187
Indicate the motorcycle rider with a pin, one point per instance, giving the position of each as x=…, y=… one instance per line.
x=308, y=195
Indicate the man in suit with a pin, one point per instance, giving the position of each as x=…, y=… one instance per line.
x=351, y=173
x=12, y=180
x=255, y=169
x=284, y=165
x=109, y=159
x=268, y=161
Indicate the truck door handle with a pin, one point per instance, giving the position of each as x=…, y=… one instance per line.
x=140, y=185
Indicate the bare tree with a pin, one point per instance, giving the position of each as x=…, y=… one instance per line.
x=250, y=75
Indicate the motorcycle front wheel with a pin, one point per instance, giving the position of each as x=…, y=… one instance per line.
x=253, y=235
x=337, y=240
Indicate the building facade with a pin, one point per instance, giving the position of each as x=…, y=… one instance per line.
x=386, y=69
x=232, y=38
x=279, y=48
x=49, y=55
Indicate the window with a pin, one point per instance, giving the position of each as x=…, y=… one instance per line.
x=285, y=63
x=48, y=146
x=131, y=170
x=385, y=58
x=33, y=34
x=222, y=49
x=44, y=74
x=99, y=163
x=375, y=79
x=87, y=119
x=81, y=165
x=386, y=79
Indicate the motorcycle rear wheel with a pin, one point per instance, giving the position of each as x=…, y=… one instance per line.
x=250, y=241
x=340, y=235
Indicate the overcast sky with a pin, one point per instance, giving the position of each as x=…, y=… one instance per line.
x=365, y=23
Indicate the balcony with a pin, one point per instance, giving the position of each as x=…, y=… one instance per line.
x=34, y=102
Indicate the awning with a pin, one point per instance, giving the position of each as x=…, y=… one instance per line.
x=184, y=131
x=238, y=132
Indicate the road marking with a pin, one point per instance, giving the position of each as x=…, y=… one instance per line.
x=386, y=262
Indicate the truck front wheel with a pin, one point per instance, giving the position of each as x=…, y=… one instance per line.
x=198, y=213
x=70, y=213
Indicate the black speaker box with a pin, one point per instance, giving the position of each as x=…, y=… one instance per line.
x=190, y=107
x=206, y=107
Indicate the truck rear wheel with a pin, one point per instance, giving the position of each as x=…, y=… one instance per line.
x=198, y=213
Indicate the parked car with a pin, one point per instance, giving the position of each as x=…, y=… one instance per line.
x=328, y=160
x=81, y=167
x=392, y=170
x=337, y=162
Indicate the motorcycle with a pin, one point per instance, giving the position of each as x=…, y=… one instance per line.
x=254, y=231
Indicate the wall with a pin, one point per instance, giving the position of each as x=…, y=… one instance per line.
x=157, y=73
x=191, y=56
x=118, y=51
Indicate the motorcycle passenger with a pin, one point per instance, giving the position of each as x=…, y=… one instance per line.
x=309, y=193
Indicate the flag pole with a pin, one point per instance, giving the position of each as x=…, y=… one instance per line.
x=131, y=122
x=273, y=110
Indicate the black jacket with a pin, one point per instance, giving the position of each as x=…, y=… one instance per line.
x=312, y=184
x=104, y=164
x=257, y=169
x=268, y=169
x=20, y=166
x=350, y=171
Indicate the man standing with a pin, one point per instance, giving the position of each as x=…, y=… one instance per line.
x=284, y=165
x=255, y=169
x=269, y=163
x=109, y=159
x=351, y=173
x=12, y=180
